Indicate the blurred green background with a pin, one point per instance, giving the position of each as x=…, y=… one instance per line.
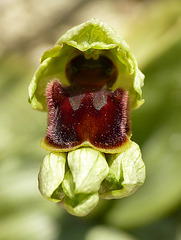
x=152, y=28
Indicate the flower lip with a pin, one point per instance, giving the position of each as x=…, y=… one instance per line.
x=87, y=72
x=99, y=119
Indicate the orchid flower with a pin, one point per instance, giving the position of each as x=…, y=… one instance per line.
x=88, y=83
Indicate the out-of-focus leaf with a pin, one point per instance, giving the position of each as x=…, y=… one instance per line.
x=167, y=229
x=107, y=233
x=155, y=30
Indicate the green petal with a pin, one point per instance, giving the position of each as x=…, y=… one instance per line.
x=54, y=52
x=87, y=37
x=68, y=185
x=51, y=175
x=82, y=204
x=88, y=168
x=126, y=173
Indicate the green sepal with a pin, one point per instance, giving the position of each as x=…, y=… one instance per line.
x=87, y=169
x=58, y=194
x=82, y=204
x=126, y=174
x=68, y=185
x=93, y=34
x=84, y=39
x=52, y=67
x=53, y=52
x=51, y=175
x=77, y=204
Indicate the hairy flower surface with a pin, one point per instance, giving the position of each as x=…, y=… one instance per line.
x=99, y=119
x=88, y=83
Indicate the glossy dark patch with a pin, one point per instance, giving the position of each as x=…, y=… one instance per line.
x=101, y=118
x=90, y=73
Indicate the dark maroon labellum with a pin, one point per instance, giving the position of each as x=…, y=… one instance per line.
x=99, y=118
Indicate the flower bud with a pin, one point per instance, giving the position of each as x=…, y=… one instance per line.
x=51, y=175
x=87, y=169
x=78, y=204
x=126, y=173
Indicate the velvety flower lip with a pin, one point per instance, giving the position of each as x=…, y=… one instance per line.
x=99, y=119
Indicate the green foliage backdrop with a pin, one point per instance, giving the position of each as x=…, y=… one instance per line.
x=153, y=33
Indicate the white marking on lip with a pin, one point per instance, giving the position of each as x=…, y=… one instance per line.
x=75, y=101
x=99, y=100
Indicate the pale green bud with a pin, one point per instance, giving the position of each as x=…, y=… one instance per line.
x=88, y=168
x=51, y=175
x=126, y=173
x=79, y=186
x=78, y=204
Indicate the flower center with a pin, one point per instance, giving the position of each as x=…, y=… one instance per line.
x=91, y=73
